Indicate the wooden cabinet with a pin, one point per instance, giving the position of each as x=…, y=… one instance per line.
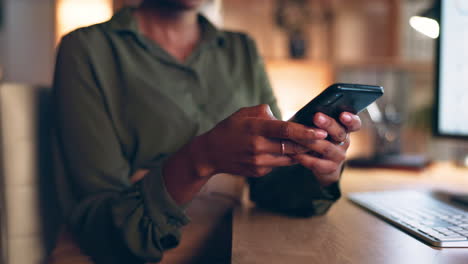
x=338, y=30
x=366, y=29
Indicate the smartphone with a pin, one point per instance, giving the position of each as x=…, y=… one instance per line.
x=338, y=98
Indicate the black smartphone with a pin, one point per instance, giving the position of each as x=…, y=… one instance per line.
x=338, y=98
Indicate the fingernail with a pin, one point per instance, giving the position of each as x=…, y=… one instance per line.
x=320, y=133
x=347, y=118
x=321, y=120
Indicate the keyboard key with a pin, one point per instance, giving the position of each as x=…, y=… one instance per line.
x=431, y=232
x=450, y=233
x=441, y=229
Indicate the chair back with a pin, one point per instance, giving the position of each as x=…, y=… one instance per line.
x=28, y=208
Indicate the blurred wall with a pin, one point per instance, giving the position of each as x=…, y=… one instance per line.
x=2, y=56
x=27, y=41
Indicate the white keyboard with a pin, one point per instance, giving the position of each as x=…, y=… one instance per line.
x=419, y=214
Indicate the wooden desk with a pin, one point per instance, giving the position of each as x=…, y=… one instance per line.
x=207, y=239
x=347, y=233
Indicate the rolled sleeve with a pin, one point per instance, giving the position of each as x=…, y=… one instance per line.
x=160, y=205
x=147, y=217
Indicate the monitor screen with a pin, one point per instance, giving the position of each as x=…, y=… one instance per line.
x=452, y=92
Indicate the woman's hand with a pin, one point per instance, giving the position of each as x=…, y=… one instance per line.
x=327, y=156
x=251, y=142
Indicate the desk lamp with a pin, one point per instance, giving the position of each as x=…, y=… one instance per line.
x=427, y=22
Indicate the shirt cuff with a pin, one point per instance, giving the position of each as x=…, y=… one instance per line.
x=294, y=191
x=331, y=192
x=167, y=215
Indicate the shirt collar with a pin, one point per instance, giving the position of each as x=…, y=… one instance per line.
x=124, y=22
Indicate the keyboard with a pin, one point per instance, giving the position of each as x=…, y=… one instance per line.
x=438, y=223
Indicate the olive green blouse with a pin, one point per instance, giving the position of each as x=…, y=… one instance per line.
x=123, y=104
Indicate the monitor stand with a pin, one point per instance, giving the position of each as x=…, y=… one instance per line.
x=391, y=161
x=461, y=156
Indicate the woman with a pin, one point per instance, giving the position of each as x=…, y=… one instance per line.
x=153, y=103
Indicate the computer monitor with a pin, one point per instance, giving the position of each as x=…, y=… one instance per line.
x=451, y=115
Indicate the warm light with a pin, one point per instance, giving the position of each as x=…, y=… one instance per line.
x=426, y=26
x=72, y=14
x=295, y=83
x=212, y=9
